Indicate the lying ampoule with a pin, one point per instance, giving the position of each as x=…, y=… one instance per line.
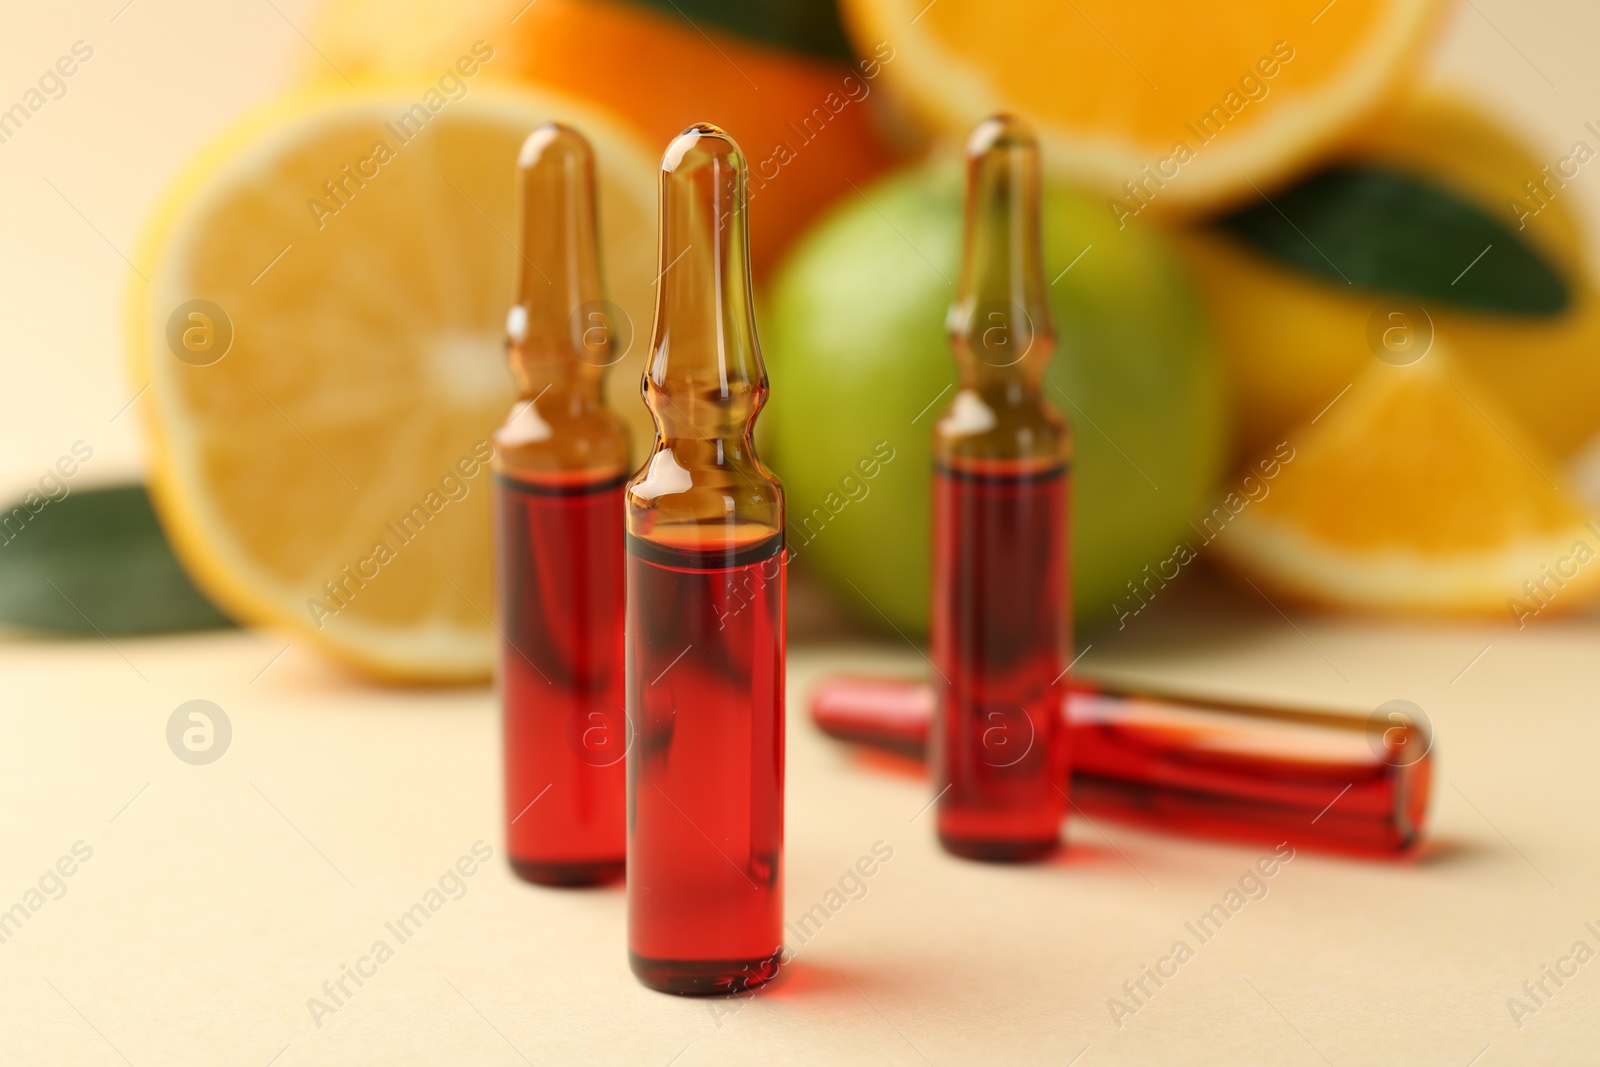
x=705, y=594
x=1000, y=627
x=561, y=460
x=1192, y=765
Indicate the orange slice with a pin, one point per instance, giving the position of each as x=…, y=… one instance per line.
x=322, y=336
x=1291, y=340
x=1189, y=103
x=1413, y=493
x=806, y=122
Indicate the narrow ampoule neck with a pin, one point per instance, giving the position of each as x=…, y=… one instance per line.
x=705, y=379
x=542, y=365
x=1000, y=323
x=561, y=331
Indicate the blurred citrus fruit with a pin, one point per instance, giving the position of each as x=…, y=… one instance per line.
x=1190, y=102
x=1292, y=339
x=1415, y=493
x=322, y=334
x=802, y=121
x=861, y=368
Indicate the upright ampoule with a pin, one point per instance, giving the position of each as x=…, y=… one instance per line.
x=705, y=607
x=1000, y=624
x=561, y=460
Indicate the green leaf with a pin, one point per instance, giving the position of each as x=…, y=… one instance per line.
x=95, y=561
x=1400, y=234
x=803, y=25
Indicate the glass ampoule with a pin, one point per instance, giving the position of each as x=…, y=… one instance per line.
x=561, y=461
x=1190, y=765
x=1000, y=622
x=705, y=592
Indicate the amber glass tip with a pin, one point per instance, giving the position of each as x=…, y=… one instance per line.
x=555, y=137
x=1000, y=131
x=697, y=144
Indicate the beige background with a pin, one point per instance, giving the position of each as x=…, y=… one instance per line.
x=219, y=899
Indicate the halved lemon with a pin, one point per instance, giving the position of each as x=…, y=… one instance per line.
x=322, y=334
x=1414, y=492
x=1186, y=103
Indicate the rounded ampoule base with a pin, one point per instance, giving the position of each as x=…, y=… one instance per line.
x=705, y=978
x=990, y=851
x=568, y=875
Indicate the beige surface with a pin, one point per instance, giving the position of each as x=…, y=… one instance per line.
x=220, y=898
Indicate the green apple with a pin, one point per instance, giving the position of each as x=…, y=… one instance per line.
x=861, y=369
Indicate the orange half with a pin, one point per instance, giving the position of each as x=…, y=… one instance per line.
x=1160, y=105
x=1413, y=493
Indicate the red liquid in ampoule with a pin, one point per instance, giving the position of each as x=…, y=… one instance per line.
x=561, y=461
x=1320, y=780
x=1322, y=784
x=705, y=596
x=561, y=552
x=998, y=621
x=998, y=633
x=706, y=634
